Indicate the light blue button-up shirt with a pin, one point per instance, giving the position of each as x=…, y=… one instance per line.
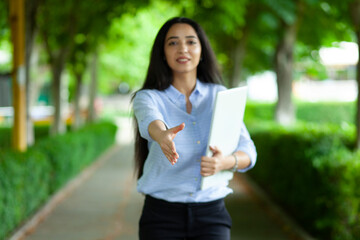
x=181, y=182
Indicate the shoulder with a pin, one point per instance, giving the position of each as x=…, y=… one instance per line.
x=146, y=94
x=220, y=87
x=213, y=87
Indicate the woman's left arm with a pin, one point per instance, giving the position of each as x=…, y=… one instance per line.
x=218, y=162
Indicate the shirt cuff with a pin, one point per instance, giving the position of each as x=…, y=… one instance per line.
x=144, y=126
x=252, y=155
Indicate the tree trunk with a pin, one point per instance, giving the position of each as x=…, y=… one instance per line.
x=252, y=12
x=57, y=59
x=58, y=126
x=285, y=112
x=30, y=26
x=77, y=110
x=239, y=55
x=57, y=67
x=93, y=89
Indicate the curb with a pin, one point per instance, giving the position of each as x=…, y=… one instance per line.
x=288, y=225
x=30, y=225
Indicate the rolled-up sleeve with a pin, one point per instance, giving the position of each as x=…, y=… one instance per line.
x=146, y=111
x=247, y=145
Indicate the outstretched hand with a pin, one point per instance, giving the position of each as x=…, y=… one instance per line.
x=167, y=145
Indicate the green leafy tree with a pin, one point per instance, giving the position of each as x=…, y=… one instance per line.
x=90, y=32
x=5, y=42
x=30, y=26
x=288, y=13
x=229, y=37
x=124, y=56
x=4, y=15
x=346, y=13
x=57, y=22
x=354, y=9
x=74, y=28
x=290, y=24
x=4, y=31
x=253, y=36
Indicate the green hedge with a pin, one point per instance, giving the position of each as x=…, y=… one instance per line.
x=40, y=131
x=317, y=112
x=28, y=179
x=336, y=112
x=5, y=137
x=311, y=171
x=24, y=184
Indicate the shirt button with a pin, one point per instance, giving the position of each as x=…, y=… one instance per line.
x=198, y=160
x=190, y=194
x=195, y=179
x=194, y=123
x=198, y=142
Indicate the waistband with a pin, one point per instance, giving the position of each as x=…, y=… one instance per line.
x=163, y=203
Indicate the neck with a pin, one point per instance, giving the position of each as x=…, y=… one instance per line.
x=185, y=83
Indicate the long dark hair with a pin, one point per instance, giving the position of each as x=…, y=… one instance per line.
x=159, y=76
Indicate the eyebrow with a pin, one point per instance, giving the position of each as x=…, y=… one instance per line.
x=175, y=37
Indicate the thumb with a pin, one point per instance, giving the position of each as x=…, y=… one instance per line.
x=214, y=149
x=178, y=128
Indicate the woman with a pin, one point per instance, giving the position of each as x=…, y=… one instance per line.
x=173, y=112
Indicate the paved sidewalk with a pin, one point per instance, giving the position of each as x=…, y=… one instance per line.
x=105, y=206
x=102, y=204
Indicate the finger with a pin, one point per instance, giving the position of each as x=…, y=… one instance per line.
x=171, y=159
x=205, y=159
x=207, y=167
x=173, y=151
x=173, y=154
x=206, y=172
x=167, y=151
x=214, y=149
x=173, y=148
x=169, y=155
x=208, y=160
x=168, y=147
x=178, y=128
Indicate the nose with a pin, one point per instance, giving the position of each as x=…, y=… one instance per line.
x=183, y=48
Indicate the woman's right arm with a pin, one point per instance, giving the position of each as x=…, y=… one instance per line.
x=152, y=126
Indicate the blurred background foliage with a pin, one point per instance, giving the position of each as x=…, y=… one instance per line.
x=124, y=56
x=102, y=47
x=125, y=35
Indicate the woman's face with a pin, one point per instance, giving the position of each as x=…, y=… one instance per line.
x=182, y=48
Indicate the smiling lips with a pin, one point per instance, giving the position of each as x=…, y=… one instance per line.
x=182, y=59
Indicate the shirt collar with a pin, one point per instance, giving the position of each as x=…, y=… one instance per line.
x=199, y=88
x=174, y=94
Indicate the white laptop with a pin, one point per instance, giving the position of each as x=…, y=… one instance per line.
x=225, y=128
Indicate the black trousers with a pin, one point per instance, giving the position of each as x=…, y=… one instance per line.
x=162, y=220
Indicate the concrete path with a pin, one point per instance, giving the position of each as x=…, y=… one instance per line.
x=105, y=206
x=102, y=204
